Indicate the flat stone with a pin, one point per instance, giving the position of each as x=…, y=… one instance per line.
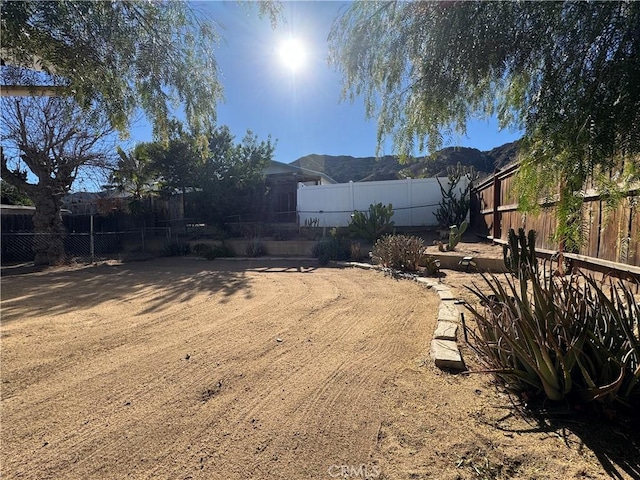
x=440, y=287
x=448, y=312
x=445, y=354
x=427, y=281
x=446, y=295
x=446, y=331
x=367, y=266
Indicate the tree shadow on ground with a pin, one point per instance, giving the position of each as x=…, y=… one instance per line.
x=615, y=443
x=158, y=284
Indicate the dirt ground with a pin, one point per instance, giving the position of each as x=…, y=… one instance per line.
x=470, y=247
x=181, y=368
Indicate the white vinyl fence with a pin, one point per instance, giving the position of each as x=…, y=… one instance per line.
x=414, y=201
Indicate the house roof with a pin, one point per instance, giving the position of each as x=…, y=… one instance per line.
x=22, y=210
x=279, y=168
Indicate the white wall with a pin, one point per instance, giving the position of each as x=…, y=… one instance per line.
x=414, y=201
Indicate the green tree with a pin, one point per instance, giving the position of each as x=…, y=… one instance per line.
x=231, y=181
x=11, y=195
x=567, y=73
x=134, y=174
x=54, y=140
x=221, y=178
x=179, y=162
x=123, y=55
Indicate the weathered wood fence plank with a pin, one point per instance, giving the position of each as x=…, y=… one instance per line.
x=611, y=235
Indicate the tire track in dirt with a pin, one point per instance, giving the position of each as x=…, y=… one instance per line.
x=338, y=349
x=115, y=367
x=317, y=400
x=258, y=355
x=120, y=391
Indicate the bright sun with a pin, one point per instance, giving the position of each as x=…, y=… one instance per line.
x=292, y=54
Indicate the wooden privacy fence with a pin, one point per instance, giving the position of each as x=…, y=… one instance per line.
x=612, y=237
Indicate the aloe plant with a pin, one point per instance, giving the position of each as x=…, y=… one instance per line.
x=562, y=338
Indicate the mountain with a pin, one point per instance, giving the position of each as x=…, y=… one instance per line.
x=367, y=169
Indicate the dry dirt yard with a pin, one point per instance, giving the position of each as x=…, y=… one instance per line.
x=181, y=368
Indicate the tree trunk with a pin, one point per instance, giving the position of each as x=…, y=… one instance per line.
x=48, y=241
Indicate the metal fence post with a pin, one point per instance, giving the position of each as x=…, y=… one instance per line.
x=497, y=231
x=91, y=240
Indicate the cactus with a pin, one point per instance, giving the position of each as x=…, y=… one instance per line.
x=455, y=234
x=372, y=225
x=520, y=253
x=312, y=222
x=455, y=202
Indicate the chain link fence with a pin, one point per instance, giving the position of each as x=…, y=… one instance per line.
x=89, y=247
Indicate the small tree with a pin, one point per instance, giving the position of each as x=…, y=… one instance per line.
x=135, y=175
x=231, y=181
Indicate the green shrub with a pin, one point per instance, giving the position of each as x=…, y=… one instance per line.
x=560, y=338
x=256, y=249
x=175, y=248
x=221, y=251
x=282, y=235
x=201, y=249
x=332, y=248
x=211, y=252
x=400, y=252
x=372, y=224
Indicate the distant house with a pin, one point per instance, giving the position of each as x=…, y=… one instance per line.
x=91, y=203
x=282, y=184
x=19, y=218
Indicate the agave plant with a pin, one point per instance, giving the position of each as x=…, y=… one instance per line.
x=564, y=338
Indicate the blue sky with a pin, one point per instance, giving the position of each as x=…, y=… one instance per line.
x=302, y=109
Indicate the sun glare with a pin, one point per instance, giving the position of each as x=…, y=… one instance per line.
x=292, y=54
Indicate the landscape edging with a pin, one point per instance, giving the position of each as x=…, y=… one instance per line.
x=444, y=348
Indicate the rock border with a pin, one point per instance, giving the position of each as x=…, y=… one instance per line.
x=444, y=347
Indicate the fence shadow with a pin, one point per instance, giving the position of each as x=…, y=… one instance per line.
x=616, y=445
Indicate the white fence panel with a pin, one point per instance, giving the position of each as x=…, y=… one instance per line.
x=414, y=201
